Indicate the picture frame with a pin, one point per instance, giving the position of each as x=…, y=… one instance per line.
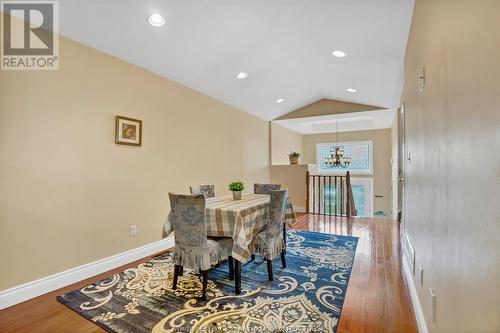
x=128, y=131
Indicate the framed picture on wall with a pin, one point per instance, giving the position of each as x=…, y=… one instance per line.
x=128, y=131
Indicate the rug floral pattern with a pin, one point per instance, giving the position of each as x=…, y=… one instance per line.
x=307, y=296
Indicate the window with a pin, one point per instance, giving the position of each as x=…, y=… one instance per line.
x=361, y=153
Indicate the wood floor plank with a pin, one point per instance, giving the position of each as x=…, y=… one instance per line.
x=377, y=299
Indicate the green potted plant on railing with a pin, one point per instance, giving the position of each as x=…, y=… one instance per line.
x=294, y=157
x=236, y=188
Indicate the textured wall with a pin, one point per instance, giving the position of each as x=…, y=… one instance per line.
x=283, y=141
x=453, y=179
x=69, y=193
x=292, y=177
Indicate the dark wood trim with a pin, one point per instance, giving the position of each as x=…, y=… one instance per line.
x=330, y=195
x=314, y=195
x=336, y=195
x=342, y=196
x=307, y=192
x=324, y=201
x=319, y=194
x=348, y=190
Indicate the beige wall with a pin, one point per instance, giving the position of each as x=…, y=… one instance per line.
x=293, y=178
x=283, y=141
x=452, y=182
x=326, y=107
x=381, y=160
x=69, y=193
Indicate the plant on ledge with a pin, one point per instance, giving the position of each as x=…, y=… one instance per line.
x=294, y=157
x=236, y=188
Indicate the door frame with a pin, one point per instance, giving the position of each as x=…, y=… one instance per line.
x=401, y=176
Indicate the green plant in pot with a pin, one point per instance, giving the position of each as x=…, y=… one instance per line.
x=294, y=157
x=236, y=188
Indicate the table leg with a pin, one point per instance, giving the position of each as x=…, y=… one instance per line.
x=284, y=235
x=230, y=262
x=237, y=277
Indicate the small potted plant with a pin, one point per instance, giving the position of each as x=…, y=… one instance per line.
x=236, y=188
x=294, y=157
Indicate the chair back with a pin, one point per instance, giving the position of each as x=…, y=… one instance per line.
x=277, y=208
x=188, y=221
x=207, y=190
x=265, y=188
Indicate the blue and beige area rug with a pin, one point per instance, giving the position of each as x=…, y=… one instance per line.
x=307, y=296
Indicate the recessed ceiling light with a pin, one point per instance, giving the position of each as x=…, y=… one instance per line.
x=241, y=75
x=156, y=20
x=351, y=90
x=280, y=100
x=339, y=54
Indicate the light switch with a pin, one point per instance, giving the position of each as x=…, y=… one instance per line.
x=133, y=230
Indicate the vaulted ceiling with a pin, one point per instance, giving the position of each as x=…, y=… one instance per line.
x=285, y=46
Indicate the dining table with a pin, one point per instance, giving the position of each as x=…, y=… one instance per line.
x=239, y=220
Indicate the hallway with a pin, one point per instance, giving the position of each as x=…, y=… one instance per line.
x=377, y=298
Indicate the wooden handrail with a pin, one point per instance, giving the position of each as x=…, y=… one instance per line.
x=327, y=200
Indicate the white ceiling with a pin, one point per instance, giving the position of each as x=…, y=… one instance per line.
x=284, y=45
x=347, y=122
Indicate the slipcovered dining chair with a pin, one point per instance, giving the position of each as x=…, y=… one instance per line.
x=265, y=188
x=192, y=247
x=269, y=242
x=207, y=190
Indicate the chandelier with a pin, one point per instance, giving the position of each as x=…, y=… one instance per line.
x=337, y=158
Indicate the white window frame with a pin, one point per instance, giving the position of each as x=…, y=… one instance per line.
x=342, y=171
x=368, y=183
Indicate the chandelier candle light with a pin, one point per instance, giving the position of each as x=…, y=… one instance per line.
x=337, y=158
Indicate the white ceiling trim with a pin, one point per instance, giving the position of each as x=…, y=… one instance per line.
x=347, y=122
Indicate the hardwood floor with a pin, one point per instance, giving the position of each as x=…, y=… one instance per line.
x=377, y=297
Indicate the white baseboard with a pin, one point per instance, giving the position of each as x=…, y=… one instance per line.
x=417, y=309
x=299, y=209
x=21, y=293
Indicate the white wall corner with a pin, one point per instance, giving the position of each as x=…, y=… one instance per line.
x=417, y=309
x=29, y=290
